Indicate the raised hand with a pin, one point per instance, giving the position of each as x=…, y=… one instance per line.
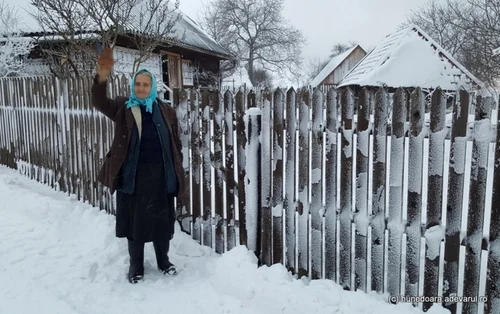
x=105, y=63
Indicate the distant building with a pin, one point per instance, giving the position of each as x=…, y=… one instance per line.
x=188, y=58
x=410, y=58
x=338, y=67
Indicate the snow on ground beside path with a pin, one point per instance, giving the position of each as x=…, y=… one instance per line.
x=58, y=255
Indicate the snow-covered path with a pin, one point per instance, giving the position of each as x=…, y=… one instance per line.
x=58, y=255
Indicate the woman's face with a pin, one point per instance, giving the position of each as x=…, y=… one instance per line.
x=142, y=86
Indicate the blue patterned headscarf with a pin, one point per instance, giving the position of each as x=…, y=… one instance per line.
x=147, y=102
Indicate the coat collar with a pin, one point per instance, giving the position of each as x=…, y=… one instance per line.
x=134, y=116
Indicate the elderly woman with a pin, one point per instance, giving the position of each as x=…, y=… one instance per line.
x=144, y=165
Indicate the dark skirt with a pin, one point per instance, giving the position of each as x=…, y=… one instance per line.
x=148, y=214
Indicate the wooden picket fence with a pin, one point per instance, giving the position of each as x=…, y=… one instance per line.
x=349, y=185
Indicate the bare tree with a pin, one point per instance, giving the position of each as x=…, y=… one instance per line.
x=339, y=48
x=468, y=29
x=256, y=33
x=80, y=27
x=12, y=47
x=315, y=66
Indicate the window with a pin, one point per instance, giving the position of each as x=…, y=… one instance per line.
x=187, y=73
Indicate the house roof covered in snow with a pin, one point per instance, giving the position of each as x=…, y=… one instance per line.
x=410, y=58
x=185, y=31
x=331, y=66
x=185, y=34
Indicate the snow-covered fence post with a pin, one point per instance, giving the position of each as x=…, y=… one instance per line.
x=361, y=210
x=477, y=200
x=415, y=175
x=345, y=216
x=290, y=190
x=317, y=210
x=266, y=216
x=181, y=106
x=304, y=102
x=493, y=278
x=218, y=120
x=241, y=141
x=455, y=196
x=434, y=233
x=196, y=177
x=330, y=257
x=395, y=224
x=7, y=114
x=206, y=103
x=252, y=169
x=278, y=149
x=229, y=221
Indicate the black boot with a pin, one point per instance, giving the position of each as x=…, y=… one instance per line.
x=161, y=249
x=136, y=269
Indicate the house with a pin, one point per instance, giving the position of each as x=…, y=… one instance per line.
x=410, y=58
x=188, y=58
x=338, y=67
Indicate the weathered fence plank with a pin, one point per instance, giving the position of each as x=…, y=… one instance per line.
x=277, y=193
x=290, y=179
x=317, y=210
x=396, y=174
x=303, y=180
x=434, y=232
x=218, y=120
x=477, y=191
x=493, y=273
x=253, y=175
x=241, y=143
x=362, y=176
x=196, y=176
x=266, y=217
x=346, y=161
x=206, y=104
x=229, y=220
x=181, y=105
x=415, y=175
x=330, y=244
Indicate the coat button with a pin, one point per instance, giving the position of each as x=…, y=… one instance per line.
x=158, y=124
x=124, y=136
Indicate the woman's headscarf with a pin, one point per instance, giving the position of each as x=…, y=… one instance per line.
x=148, y=101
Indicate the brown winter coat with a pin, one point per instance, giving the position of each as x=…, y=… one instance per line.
x=124, y=120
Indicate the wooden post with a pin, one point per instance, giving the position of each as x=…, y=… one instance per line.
x=266, y=217
x=229, y=221
x=493, y=279
x=218, y=118
x=454, y=207
x=415, y=175
x=241, y=141
x=317, y=210
x=346, y=161
x=196, y=176
x=277, y=201
x=330, y=249
x=303, y=191
x=362, y=177
x=395, y=225
x=475, y=215
x=206, y=104
x=253, y=174
x=181, y=106
x=290, y=179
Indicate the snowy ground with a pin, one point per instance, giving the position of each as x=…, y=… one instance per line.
x=58, y=255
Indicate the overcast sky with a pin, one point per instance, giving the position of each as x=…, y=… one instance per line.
x=326, y=22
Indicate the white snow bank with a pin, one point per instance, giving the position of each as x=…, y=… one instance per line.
x=61, y=256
